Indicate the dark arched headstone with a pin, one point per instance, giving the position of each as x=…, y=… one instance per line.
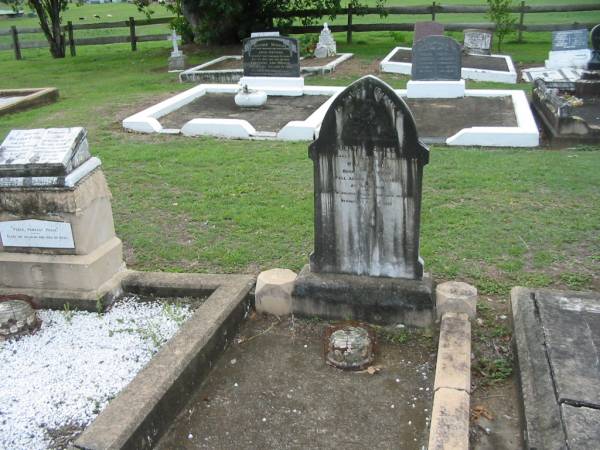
x=368, y=170
x=368, y=167
x=436, y=58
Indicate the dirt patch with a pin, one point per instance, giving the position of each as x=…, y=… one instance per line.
x=277, y=112
x=272, y=389
x=589, y=111
x=441, y=118
x=470, y=61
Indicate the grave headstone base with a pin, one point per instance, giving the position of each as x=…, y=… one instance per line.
x=370, y=299
x=285, y=86
x=568, y=58
x=177, y=62
x=435, y=89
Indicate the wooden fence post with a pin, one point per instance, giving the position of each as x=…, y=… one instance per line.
x=71, y=39
x=132, y=34
x=433, y=12
x=521, y=20
x=16, y=45
x=349, y=32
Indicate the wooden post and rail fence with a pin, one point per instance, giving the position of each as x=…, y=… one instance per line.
x=432, y=10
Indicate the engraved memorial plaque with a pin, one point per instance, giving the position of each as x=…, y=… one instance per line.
x=477, y=42
x=271, y=57
x=36, y=233
x=436, y=58
x=368, y=169
x=569, y=40
x=50, y=152
x=425, y=29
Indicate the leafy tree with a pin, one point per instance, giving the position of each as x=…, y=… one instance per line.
x=49, y=13
x=226, y=22
x=499, y=13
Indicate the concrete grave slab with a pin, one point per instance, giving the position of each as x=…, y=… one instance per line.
x=496, y=68
x=557, y=336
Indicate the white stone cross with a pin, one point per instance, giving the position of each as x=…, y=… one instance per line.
x=174, y=37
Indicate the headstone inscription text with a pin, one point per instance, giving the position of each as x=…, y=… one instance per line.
x=368, y=165
x=477, y=42
x=436, y=58
x=425, y=29
x=569, y=40
x=271, y=57
x=43, y=152
x=36, y=233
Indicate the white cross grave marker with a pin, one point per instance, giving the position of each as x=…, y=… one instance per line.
x=174, y=37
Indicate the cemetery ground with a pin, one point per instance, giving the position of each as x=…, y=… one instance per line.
x=494, y=218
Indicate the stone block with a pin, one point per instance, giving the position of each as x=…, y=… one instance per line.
x=274, y=291
x=453, y=368
x=449, y=420
x=455, y=297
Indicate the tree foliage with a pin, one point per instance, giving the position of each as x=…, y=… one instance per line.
x=49, y=14
x=225, y=22
x=499, y=13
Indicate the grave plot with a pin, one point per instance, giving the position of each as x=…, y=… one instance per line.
x=228, y=69
x=14, y=100
x=273, y=389
x=496, y=68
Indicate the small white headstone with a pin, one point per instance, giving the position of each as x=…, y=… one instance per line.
x=36, y=233
x=326, y=45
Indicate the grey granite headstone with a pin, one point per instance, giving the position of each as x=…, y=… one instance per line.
x=271, y=57
x=594, y=63
x=425, y=29
x=368, y=170
x=436, y=58
x=569, y=40
x=477, y=42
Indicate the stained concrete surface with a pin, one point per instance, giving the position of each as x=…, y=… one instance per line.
x=272, y=390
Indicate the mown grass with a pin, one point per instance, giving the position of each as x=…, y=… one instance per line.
x=492, y=217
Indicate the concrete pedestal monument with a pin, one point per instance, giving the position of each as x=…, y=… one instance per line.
x=326, y=45
x=57, y=237
x=368, y=168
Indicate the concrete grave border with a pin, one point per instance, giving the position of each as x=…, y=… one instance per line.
x=468, y=73
x=203, y=73
x=525, y=134
x=144, y=409
x=146, y=121
x=30, y=98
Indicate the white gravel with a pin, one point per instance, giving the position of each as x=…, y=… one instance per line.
x=66, y=373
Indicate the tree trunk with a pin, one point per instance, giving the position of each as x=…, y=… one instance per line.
x=48, y=13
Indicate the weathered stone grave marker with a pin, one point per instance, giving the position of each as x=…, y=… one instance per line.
x=569, y=49
x=477, y=42
x=368, y=170
x=436, y=69
x=426, y=29
x=57, y=238
x=272, y=61
x=326, y=45
x=177, y=58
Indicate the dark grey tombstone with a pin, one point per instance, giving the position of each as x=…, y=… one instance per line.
x=368, y=171
x=436, y=58
x=569, y=40
x=477, y=42
x=594, y=63
x=425, y=29
x=271, y=57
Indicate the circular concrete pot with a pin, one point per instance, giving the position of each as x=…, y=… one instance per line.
x=250, y=99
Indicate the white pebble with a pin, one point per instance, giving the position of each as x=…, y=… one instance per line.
x=264, y=419
x=393, y=406
x=190, y=436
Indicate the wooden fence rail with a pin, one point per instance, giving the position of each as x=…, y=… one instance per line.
x=431, y=10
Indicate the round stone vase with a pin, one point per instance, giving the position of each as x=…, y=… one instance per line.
x=250, y=99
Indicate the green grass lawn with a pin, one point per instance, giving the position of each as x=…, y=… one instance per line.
x=492, y=217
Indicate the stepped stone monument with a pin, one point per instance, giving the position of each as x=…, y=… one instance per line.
x=326, y=45
x=368, y=171
x=57, y=238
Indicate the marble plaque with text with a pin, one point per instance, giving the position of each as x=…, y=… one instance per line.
x=36, y=233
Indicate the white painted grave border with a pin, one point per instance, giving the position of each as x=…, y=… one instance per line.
x=467, y=73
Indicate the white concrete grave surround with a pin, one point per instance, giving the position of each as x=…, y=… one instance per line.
x=468, y=73
x=525, y=134
x=435, y=89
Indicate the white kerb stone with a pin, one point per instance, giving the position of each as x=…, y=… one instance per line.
x=274, y=291
x=456, y=297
